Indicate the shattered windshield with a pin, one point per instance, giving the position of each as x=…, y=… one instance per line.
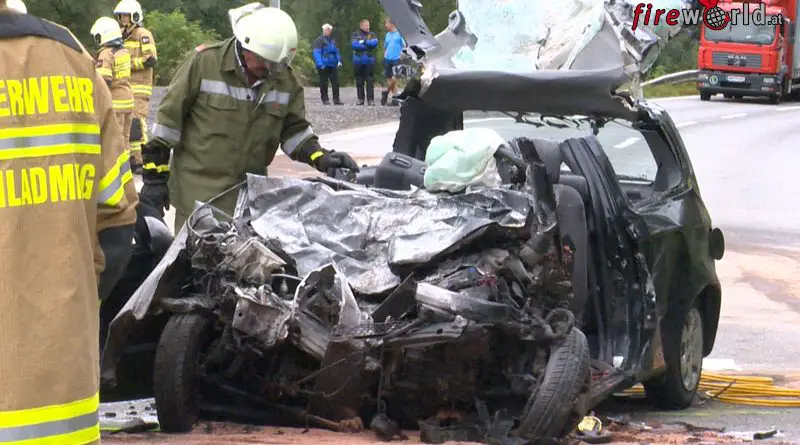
x=741, y=33
x=524, y=35
x=628, y=152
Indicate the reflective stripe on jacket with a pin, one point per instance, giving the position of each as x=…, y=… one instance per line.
x=59, y=146
x=114, y=64
x=221, y=129
x=325, y=52
x=364, y=53
x=141, y=44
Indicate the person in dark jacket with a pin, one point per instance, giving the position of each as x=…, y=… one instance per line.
x=364, y=44
x=328, y=61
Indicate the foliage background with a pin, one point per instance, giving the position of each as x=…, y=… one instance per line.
x=180, y=25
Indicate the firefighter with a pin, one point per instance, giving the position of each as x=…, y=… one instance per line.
x=139, y=41
x=226, y=110
x=63, y=179
x=113, y=62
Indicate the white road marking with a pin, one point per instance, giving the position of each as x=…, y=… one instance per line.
x=685, y=124
x=720, y=364
x=627, y=143
x=795, y=107
x=733, y=116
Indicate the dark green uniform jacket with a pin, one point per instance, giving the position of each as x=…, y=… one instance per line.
x=220, y=129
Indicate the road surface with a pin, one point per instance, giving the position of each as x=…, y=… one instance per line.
x=746, y=158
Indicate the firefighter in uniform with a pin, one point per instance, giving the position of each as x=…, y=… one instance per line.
x=63, y=169
x=139, y=41
x=113, y=62
x=226, y=110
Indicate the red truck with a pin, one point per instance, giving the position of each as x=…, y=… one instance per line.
x=754, y=55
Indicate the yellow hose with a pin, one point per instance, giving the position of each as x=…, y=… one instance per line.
x=742, y=390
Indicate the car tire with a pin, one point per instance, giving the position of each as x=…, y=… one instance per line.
x=177, y=371
x=705, y=96
x=561, y=401
x=775, y=100
x=683, y=345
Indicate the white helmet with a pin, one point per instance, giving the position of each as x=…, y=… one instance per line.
x=17, y=5
x=268, y=32
x=131, y=7
x=105, y=30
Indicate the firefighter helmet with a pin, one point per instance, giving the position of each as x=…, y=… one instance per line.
x=105, y=30
x=131, y=7
x=268, y=32
x=17, y=5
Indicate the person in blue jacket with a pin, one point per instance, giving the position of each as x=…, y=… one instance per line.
x=364, y=44
x=328, y=62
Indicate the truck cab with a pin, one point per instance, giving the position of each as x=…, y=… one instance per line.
x=754, y=55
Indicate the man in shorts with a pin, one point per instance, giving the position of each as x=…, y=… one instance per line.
x=393, y=44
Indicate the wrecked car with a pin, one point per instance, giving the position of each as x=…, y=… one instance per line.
x=574, y=279
x=499, y=311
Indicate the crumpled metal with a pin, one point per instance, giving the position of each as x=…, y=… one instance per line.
x=368, y=233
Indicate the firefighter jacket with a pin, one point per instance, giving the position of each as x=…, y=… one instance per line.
x=114, y=64
x=60, y=159
x=220, y=128
x=140, y=43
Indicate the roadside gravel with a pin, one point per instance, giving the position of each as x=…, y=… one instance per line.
x=324, y=118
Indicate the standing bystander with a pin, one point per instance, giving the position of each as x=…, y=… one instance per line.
x=393, y=45
x=328, y=61
x=364, y=43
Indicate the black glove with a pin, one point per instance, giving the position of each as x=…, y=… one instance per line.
x=155, y=194
x=150, y=62
x=336, y=159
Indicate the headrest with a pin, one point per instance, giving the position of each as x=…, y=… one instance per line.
x=550, y=153
x=546, y=150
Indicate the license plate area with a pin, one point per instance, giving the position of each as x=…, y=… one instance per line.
x=735, y=79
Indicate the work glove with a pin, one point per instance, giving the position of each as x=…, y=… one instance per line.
x=361, y=42
x=339, y=65
x=156, y=195
x=333, y=160
x=150, y=62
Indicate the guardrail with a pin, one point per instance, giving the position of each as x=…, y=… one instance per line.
x=680, y=76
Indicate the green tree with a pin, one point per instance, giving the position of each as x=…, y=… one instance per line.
x=175, y=35
x=78, y=16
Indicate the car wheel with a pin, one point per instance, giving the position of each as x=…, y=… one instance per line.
x=178, y=371
x=557, y=406
x=683, y=353
x=775, y=100
x=705, y=96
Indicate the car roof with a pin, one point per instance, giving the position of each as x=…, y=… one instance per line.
x=563, y=93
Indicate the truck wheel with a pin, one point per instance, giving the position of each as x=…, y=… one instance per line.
x=178, y=370
x=705, y=96
x=683, y=352
x=555, y=409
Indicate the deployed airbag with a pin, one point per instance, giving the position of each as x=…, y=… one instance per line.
x=462, y=158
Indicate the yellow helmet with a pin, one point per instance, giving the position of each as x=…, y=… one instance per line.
x=105, y=30
x=17, y=5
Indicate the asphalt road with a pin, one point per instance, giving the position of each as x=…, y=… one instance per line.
x=746, y=159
